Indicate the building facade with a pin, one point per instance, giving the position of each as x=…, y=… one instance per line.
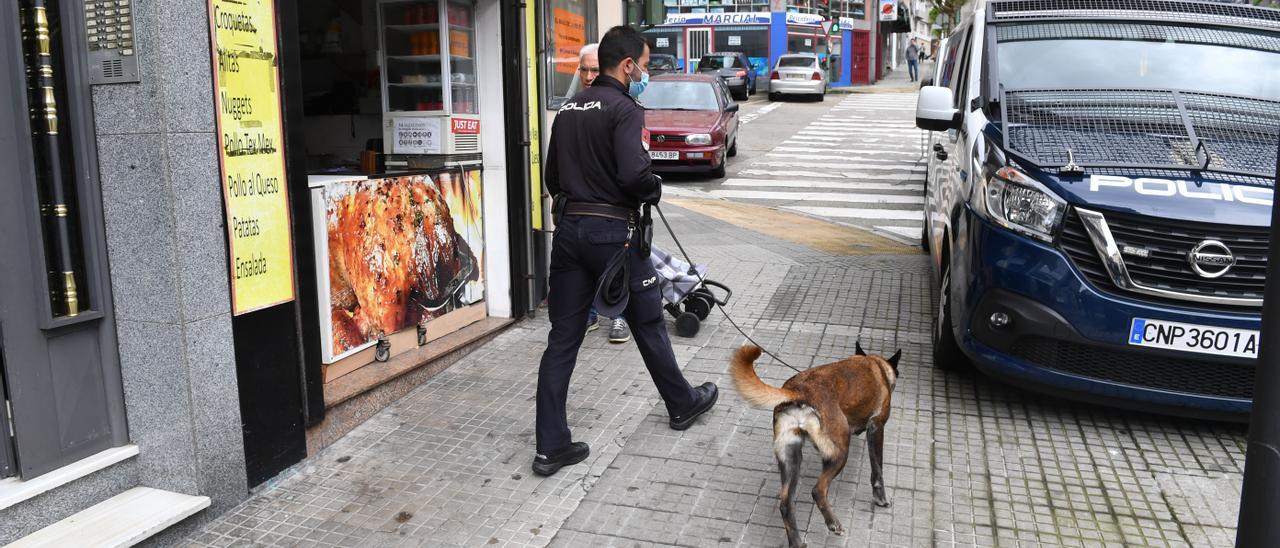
x=840, y=32
x=238, y=230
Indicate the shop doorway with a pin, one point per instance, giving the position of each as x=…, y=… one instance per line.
x=861, y=65
x=697, y=43
x=386, y=147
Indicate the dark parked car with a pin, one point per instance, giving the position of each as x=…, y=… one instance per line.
x=661, y=63
x=734, y=68
x=692, y=122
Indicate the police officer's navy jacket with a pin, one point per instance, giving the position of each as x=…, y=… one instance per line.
x=599, y=149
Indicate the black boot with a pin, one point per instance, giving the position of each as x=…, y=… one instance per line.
x=545, y=464
x=707, y=394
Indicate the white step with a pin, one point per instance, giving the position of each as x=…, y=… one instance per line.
x=123, y=520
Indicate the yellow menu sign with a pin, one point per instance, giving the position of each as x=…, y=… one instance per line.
x=251, y=152
x=535, y=112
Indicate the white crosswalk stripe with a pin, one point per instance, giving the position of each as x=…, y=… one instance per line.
x=747, y=118
x=790, y=197
x=810, y=183
x=862, y=163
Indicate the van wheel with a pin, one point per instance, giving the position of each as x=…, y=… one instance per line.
x=946, y=352
x=773, y=96
x=733, y=149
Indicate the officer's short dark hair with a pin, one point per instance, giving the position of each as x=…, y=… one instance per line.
x=620, y=43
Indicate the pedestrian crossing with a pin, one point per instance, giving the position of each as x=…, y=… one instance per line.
x=747, y=118
x=861, y=163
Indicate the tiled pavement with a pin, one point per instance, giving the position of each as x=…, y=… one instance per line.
x=968, y=461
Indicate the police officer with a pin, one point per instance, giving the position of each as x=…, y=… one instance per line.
x=598, y=164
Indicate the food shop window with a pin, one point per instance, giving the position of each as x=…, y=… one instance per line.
x=570, y=24
x=395, y=181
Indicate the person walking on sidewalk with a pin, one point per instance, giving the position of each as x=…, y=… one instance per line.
x=588, y=70
x=598, y=167
x=913, y=61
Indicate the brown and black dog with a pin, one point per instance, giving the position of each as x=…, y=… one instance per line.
x=826, y=404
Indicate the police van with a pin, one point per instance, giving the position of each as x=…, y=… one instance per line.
x=1099, y=194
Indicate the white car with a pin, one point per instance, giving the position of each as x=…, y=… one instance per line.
x=798, y=74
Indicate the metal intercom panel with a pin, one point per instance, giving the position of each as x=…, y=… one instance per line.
x=113, y=55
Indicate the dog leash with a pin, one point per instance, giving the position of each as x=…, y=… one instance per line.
x=718, y=305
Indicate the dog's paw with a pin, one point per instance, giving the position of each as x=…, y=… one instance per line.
x=883, y=503
x=836, y=528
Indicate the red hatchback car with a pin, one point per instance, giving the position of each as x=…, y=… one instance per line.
x=692, y=122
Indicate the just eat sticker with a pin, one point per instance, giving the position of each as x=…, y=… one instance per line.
x=644, y=137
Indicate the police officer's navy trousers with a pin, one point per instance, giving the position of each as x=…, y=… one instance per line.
x=580, y=250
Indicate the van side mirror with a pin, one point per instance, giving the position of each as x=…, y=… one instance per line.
x=733, y=107
x=935, y=110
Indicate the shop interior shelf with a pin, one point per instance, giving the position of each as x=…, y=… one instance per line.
x=427, y=85
x=430, y=26
x=427, y=57
x=412, y=28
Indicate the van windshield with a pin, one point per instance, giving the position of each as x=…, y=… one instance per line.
x=1084, y=63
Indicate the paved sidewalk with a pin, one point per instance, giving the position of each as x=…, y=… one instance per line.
x=894, y=81
x=968, y=461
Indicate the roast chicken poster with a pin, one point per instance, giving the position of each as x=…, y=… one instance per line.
x=401, y=250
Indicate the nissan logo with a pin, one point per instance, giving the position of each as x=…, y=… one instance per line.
x=1211, y=259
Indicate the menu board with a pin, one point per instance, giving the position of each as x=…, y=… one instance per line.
x=251, y=153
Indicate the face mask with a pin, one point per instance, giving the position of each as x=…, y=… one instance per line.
x=636, y=87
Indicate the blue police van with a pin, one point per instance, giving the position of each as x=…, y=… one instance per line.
x=1099, y=194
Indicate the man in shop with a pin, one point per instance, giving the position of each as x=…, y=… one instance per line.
x=588, y=70
x=598, y=167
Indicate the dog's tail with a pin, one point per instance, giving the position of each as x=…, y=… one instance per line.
x=755, y=391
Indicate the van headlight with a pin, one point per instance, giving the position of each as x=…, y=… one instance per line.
x=698, y=139
x=1018, y=202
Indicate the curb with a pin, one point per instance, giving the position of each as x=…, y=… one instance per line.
x=874, y=89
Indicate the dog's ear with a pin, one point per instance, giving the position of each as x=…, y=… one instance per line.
x=893, y=360
x=857, y=348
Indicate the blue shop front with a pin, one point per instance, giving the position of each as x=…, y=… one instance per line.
x=763, y=37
